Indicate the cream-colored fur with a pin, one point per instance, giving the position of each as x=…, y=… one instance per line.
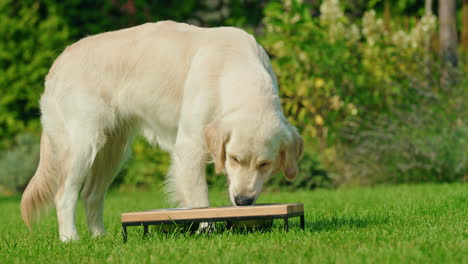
x=193, y=91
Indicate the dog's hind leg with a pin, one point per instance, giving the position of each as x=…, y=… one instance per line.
x=83, y=138
x=79, y=162
x=103, y=172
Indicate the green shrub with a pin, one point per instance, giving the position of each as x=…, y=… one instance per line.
x=365, y=96
x=330, y=69
x=146, y=167
x=31, y=36
x=425, y=141
x=333, y=73
x=311, y=175
x=89, y=17
x=19, y=163
x=313, y=70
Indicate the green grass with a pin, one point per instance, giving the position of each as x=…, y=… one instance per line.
x=388, y=224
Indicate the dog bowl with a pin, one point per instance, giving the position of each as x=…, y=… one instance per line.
x=171, y=228
x=250, y=224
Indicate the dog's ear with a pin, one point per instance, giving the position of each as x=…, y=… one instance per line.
x=291, y=151
x=215, y=140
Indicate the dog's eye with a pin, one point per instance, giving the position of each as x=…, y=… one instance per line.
x=235, y=159
x=264, y=164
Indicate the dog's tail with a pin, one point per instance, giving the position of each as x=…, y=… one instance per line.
x=41, y=189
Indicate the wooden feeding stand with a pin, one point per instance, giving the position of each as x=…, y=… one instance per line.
x=212, y=214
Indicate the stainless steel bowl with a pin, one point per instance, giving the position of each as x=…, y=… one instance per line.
x=251, y=224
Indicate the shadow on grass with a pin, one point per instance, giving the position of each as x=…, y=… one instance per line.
x=342, y=222
x=318, y=225
x=173, y=231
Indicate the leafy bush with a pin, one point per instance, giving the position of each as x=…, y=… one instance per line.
x=330, y=69
x=89, y=17
x=311, y=175
x=313, y=69
x=146, y=167
x=333, y=74
x=19, y=163
x=33, y=33
x=372, y=82
x=31, y=36
x=424, y=141
x=364, y=94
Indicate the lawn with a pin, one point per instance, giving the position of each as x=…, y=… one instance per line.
x=387, y=224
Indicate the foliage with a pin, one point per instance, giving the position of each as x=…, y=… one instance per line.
x=33, y=33
x=146, y=167
x=19, y=163
x=327, y=68
x=344, y=74
x=31, y=36
x=103, y=16
x=303, y=54
x=387, y=224
x=408, y=145
x=333, y=73
x=311, y=175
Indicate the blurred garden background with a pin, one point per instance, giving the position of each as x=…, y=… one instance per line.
x=378, y=88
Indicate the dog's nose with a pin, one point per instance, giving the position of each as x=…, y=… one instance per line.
x=241, y=200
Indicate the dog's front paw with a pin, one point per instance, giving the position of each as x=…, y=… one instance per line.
x=206, y=227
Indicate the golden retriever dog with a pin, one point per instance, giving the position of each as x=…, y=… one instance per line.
x=195, y=92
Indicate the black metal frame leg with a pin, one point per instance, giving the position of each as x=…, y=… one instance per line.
x=124, y=233
x=302, y=222
x=286, y=224
x=145, y=230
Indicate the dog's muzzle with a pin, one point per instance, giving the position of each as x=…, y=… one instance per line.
x=241, y=200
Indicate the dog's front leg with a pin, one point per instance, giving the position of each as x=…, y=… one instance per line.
x=187, y=177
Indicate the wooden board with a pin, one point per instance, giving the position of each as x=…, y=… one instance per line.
x=174, y=214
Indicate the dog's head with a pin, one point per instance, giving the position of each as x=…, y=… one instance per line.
x=250, y=151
